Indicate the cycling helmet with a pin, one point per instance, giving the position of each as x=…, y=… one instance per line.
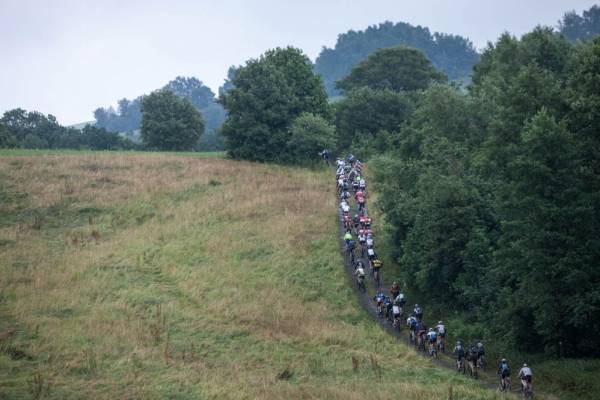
x=416, y=305
x=440, y=322
x=430, y=329
x=524, y=364
x=504, y=360
x=458, y=343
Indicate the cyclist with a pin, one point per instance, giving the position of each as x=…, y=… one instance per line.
x=345, y=185
x=480, y=354
x=340, y=183
x=371, y=255
x=412, y=323
x=359, y=274
x=362, y=239
x=378, y=299
x=347, y=222
x=376, y=264
x=362, y=184
x=347, y=237
x=441, y=331
x=526, y=376
x=432, y=339
x=354, y=185
x=363, y=220
x=345, y=207
x=459, y=350
x=395, y=290
x=345, y=195
x=421, y=330
x=387, y=307
x=504, y=372
x=351, y=246
x=360, y=200
x=400, y=300
x=418, y=311
x=368, y=223
x=396, y=311
x=369, y=241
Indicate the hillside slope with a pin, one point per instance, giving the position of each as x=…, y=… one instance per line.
x=160, y=276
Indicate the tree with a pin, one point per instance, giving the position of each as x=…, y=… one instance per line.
x=581, y=27
x=367, y=111
x=451, y=54
x=7, y=139
x=268, y=94
x=397, y=68
x=170, y=122
x=310, y=134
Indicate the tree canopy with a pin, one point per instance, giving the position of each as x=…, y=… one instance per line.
x=170, y=122
x=581, y=27
x=451, y=54
x=395, y=68
x=492, y=196
x=267, y=95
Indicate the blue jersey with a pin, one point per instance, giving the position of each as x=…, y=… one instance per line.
x=379, y=297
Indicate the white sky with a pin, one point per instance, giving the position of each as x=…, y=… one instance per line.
x=68, y=57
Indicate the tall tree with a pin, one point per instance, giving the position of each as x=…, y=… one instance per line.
x=170, y=122
x=268, y=94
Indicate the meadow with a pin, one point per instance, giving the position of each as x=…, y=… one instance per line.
x=152, y=276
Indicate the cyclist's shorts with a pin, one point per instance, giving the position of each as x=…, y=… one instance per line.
x=432, y=341
x=442, y=334
x=527, y=378
x=505, y=375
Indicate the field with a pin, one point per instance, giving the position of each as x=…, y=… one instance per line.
x=152, y=276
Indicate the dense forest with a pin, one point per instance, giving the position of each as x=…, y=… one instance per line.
x=128, y=117
x=452, y=54
x=492, y=197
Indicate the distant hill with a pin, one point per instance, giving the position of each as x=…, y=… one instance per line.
x=452, y=54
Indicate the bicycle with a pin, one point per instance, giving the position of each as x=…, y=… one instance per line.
x=526, y=389
x=432, y=350
x=441, y=345
x=360, y=283
x=421, y=343
x=505, y=384
x=460, y=366
x=481, y=363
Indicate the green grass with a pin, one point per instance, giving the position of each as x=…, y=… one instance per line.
x=159, y=276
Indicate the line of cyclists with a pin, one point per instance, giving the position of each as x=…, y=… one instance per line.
x=358, y=237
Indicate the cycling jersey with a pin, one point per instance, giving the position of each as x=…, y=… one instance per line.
x=400, y=299
x=371, y=254
x=346, y=208
x=377, y=264
x=370, y=242
x=525, y=372
x=441, y=329
x=362, y=238
x=347, y=237
x=360, y=272
x=432, y=336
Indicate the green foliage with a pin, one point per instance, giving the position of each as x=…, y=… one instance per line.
x=7, y=139
x=454, y=55
x=396, y=68
x=170, y=122
x=493, y=196
x=268, y=94
x=310, y=134
x=581, y=27
x=365, y=112
x=34, y=130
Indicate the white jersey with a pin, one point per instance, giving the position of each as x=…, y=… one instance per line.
x=345, y=208
x=370, y=252
x=370, y=242
x=362, y=238
x=396, y=310
x=441, y=328
x=362, y=183
x=359, y=272
x=525, y=371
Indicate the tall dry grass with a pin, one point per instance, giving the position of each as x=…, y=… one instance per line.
x=169, y=277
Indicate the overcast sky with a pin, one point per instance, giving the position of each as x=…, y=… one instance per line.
x=68, y=57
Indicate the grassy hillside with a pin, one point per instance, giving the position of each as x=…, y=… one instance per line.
x=158, y=276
